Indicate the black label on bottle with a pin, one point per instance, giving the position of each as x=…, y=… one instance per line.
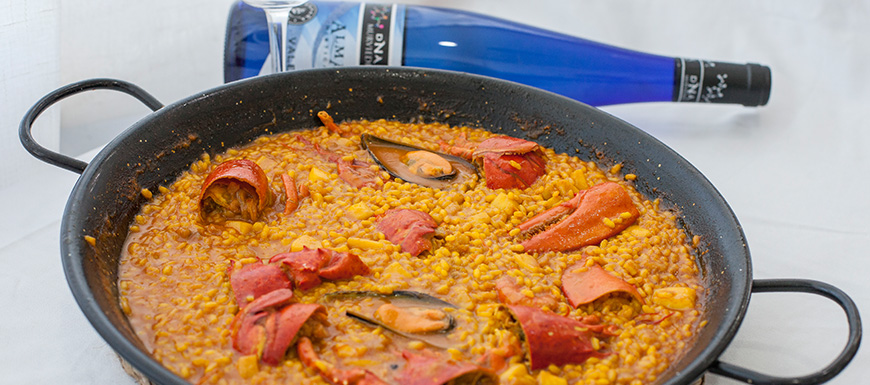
x=375, y=36
x=702, y=81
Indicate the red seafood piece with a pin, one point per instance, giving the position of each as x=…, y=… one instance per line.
x=308, y=266
x=509, y=293
x=237, y=186
x=431, y=369
x=508, y=162
x=287, y=323
x=504, y=145
x=591, y=216
x=411, y=229
x=582, y=287
x=256, y=279
x=343, y=266
x=304, y=266
x=554, y=339
x=248, y=333
x=512, y=171
x=330, y=373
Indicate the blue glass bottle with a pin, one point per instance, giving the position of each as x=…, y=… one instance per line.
x=588, y=71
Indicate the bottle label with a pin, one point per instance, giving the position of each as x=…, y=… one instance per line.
x=703, y=81
x=336, y=34
x=698, y=83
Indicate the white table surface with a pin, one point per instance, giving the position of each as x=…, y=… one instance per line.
x=795, y=172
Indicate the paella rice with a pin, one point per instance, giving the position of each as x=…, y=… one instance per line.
x=183, y=271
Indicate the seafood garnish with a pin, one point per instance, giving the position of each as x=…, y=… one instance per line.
x=558, y=340
x=417, y=165
x=429, y=368
x=582, y=287
x=591, y=216
x=268, y=325
x=410, y=229
x=256, y=279
x=235, y=189
x=308, y=266
x=411, y=336
x=508, y=162
x=412, y=315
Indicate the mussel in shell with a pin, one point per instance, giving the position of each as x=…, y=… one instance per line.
x=413, y=315
x=417, y=165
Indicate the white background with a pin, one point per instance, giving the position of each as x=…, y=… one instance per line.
x=795, y=171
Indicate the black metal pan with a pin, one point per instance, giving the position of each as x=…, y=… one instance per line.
x=155, y=150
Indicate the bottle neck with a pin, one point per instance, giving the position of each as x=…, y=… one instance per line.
x=703, y=81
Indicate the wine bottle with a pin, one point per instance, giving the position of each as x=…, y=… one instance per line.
x=327, y=34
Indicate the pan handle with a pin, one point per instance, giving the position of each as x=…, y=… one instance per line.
x=834, y=368
x=59, y=94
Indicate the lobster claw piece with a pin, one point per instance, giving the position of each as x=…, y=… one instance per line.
x=248, y=333
x=510, y=162
x=234, y=189
x=411, y=229
x=591, y=216
x=555, y=339
x=287, y=323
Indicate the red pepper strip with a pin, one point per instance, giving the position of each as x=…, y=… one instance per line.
x=287, y=322
x=330, y=373
x=343, y=266
x=256, y=279
x=290, y=191
x=247, y=334
x=582, y=287
x=509, y=293
x=593, y=215
x=431, y=369
x=243, y=172
x=554, y=339
x=411, y=229
x=304, y=266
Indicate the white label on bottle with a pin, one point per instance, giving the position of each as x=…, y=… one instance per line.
x=333, y=34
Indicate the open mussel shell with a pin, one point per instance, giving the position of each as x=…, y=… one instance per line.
x=439, y=171
x=417, y=316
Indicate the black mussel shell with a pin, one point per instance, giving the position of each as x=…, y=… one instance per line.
x=389, y=155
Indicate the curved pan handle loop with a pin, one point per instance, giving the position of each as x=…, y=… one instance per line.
x=834, y=368
x=59, y=94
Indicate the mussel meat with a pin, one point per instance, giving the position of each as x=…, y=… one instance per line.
x=417, y=165
x=410, y=314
